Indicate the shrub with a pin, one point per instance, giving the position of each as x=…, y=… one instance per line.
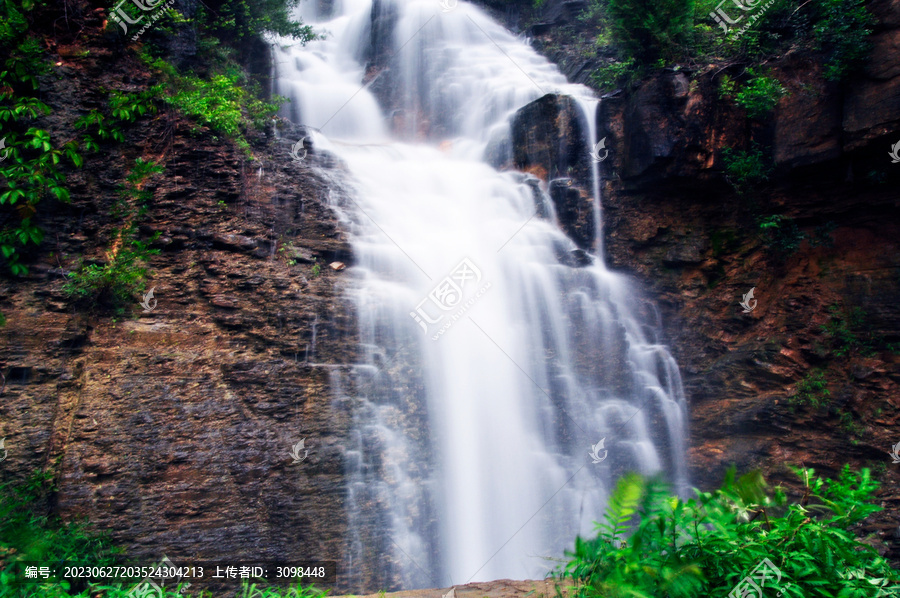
x=117, y=281
x=31, y=169
x=850, y=332
x=812, y=390
x=652, y=29
x=651, y=544
x=843, y=33
x=745, y=170
x=781, y=235
x=758, y=96
x=613, y=74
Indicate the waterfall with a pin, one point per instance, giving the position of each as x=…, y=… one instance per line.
x=490, y=363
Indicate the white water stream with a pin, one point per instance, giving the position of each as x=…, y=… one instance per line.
x=470, y=457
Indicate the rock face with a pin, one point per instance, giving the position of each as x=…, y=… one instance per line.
x=671, y=220
x=173, y=428
x=549, y=140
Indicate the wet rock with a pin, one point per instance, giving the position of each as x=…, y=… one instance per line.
x=575, y=211
x=549, y=141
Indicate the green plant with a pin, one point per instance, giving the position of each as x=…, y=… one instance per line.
x=843, y=33
x=316, y=269
x=745, y=170
x=226, y=102
x=652, y=544
x=611, y=75
x=116, y=281
x=652, y=29
x=812, y=390
x=781, y=235
x=758, y=96
x=30, y=532
x=850, y=332
x=850, y=425
x=31, y=167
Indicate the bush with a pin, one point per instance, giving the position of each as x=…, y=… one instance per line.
x=652, y=544
x=758, y=96
x=812, y=390
x=652, y=29
x=116, y=282
x=781, y=235
x=614, y=74
x=745, y=170
x=30, y=532
x=843, y=33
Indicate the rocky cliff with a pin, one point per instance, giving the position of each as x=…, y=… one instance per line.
x=173, y=428
x=671, y=219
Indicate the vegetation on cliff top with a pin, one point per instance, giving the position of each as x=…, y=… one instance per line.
x=212, y=89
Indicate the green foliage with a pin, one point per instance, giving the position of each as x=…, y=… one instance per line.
x=124, y=109
x=31, y=169
x=851, y=333
x=704, y=546
x=781, y=235
x=758, y=96
x=652, y=29
x=316, y=269
x=843, y=33
x=121, y=277
x=226, y=102
x=745, y=170
x=812, y=390
x=612, y=75
x=29, y=532
x=239, y=22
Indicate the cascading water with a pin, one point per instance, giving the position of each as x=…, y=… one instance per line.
x=490, y=366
